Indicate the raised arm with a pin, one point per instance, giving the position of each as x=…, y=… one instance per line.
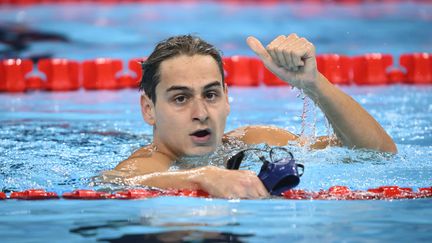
x=293, y=60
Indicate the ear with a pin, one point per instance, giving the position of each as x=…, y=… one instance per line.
x=147, y=110
x=227, y=99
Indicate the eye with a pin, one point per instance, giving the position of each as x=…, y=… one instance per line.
x=180, y=99
x=211, y=95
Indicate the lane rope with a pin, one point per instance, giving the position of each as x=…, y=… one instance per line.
x=333, y=193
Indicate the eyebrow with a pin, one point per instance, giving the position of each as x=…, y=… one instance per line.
x=213, y=84
x=185, y=88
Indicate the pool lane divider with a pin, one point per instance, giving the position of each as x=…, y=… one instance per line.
x=20, y=75
x=333, y=193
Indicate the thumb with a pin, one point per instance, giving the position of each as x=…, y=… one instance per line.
x=258, y=48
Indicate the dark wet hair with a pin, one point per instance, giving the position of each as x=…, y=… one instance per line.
x=174, y=46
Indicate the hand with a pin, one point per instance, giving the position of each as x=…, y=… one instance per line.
x=230, y=183
x=290, y=58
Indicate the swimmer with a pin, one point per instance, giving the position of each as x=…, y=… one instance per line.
x=185, y=100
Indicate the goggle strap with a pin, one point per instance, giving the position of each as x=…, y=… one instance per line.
x=302, y=168
x=234, y=162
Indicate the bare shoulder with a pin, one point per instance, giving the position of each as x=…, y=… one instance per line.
x=273, y=136
x=143, y=161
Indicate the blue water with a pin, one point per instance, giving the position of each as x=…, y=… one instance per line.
x=58, y=141
x=130, y=30
x=189, y=219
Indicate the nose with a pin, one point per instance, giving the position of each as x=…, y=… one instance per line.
x=200, y=111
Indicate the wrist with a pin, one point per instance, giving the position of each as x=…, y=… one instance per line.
x=201, y=175
x=317, y=87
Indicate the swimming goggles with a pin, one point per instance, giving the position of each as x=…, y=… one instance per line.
x=277, y=176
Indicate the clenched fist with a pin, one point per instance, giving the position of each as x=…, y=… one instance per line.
x=291, y=58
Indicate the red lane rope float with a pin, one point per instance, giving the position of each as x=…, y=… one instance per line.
x=144, y=193
x=344, y=193
x=335, y=67
x=61, y=74
x=12, y=74
x=20, y=75
x=240, y=71
x=131, y=79
x=137, y=194
x=101, y=73
x=33, y=194
x=371, y=68
x=87, y=195
x=418, y=66
x=333, y=193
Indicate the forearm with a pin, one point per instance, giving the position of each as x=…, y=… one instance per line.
x=169, y=179
x=353, y=125
x=216, y=181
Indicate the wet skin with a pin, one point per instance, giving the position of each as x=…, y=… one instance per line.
x=191, y=107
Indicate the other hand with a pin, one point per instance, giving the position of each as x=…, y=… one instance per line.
x=291, y=58
x=231, y=183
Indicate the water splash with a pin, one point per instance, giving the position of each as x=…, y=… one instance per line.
x=308, y=133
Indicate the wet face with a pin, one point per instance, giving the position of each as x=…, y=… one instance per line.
x=191, y=106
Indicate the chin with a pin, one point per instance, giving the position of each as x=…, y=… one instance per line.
x=202, y=150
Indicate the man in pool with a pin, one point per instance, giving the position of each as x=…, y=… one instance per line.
x=185, y=100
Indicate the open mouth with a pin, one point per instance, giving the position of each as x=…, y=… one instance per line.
x=201, y=133
x=201, y=136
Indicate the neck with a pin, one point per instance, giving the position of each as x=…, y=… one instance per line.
x=163, y=152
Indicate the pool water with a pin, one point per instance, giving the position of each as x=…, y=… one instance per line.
x=59, y=141
x=125, y=31
x=171, y=219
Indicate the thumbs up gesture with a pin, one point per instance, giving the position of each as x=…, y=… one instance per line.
x=291, y=58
